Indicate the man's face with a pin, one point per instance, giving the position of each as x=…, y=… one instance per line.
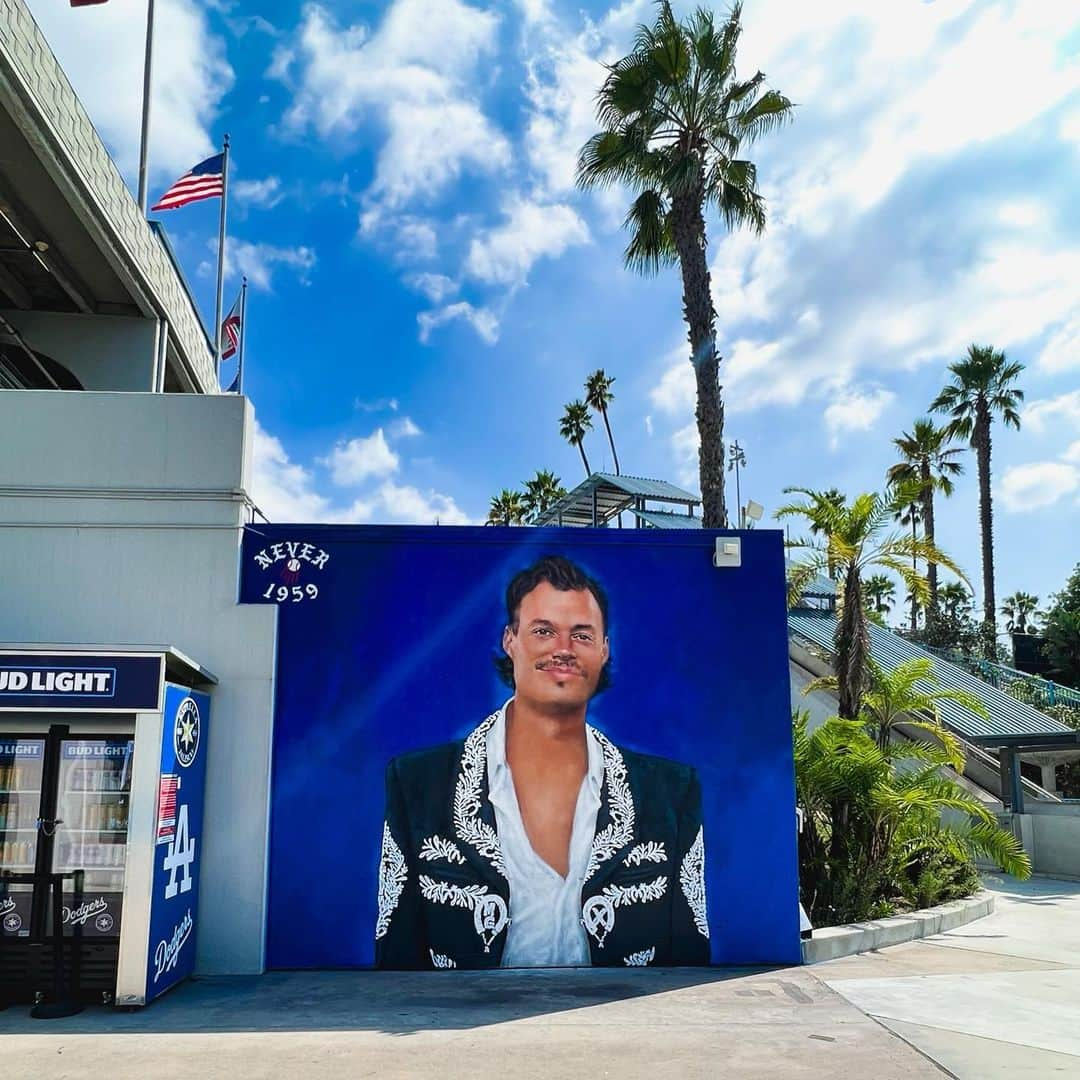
x=559, y=647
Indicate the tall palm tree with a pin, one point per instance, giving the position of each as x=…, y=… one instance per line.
x=598, y=397
x=542, y=492
x=879, y=592
x=572, y=427
x=674, y=117
x=1017, y=609
x=507, y=508
x=982, y=388
x=856, y=541
x=912, y=515
x=926, y=457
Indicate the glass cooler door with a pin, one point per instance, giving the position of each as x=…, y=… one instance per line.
x=92, y=803
x=21, y=764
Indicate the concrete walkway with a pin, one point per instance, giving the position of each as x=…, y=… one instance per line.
x=996, y=998
x=991, y=996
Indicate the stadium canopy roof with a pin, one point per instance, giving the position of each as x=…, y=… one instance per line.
x=1010, y=723
x=601, y=497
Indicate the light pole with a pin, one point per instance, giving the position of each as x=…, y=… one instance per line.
x=738, y=458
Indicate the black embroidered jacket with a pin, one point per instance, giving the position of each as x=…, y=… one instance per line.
x=444, y=899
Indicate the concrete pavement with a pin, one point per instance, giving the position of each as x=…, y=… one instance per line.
x=992, y=998
x=633, y=1024
x=995, y=998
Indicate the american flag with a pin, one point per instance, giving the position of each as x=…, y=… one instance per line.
x=205, y=181
x=230, y=332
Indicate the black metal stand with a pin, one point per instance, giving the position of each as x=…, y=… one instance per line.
x=65, y=998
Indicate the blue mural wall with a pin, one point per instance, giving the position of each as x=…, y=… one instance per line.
x=385, y=644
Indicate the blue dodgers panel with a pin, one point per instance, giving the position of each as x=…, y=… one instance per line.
x=174, y=908
x=386, y=642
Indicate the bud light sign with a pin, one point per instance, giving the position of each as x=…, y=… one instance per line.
x=182, y=781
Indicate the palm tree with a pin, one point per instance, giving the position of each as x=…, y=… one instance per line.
x=870, y=809
x=1017, y=609
x=507, y=508
x=955, y=599
x=855, y=541
x=926, y=457
x=909, y=695
x=982, y=388
x=879, y=592
x=912, y=515
x=572, y=427
x=598, y=397
x=674, y=117
x=542, y=492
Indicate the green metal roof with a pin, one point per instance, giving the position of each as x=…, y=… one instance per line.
x=665, y=519
x=818, y=588
x=612, y=494
x=1010, y=721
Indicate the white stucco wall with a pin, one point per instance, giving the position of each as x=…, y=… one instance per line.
x=104, y=352
x=120, y=519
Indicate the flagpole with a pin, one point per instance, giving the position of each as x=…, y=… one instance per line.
x=243, y=337
x=144, y=145
x=221, y=256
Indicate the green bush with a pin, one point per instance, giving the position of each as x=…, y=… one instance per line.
x=874, y=837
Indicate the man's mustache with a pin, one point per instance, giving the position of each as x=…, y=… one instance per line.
x=543, y=665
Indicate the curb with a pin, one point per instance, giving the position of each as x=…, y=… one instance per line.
x=831, y=942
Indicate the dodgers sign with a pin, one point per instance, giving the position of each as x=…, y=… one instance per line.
x=182, y=781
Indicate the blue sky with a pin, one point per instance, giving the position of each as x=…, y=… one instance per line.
x=429, y=290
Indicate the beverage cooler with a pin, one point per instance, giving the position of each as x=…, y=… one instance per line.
x=102, y=772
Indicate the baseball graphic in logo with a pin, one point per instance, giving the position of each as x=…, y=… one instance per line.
x=104, y=923
x=186, y=732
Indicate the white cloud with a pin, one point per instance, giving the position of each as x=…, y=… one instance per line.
x=1053, y=413
x=280, y=488
x=1072, y=453
x=265, y=194
x=436, y=287
x=410, y=506
x=284, y=491
x=352, y=462
x=404, y=429
x=505, y=254
x=101, y=52
x=415, y=240
x=855, y=410
x=482, y=320
x=1040, y=484
x=416, y=74
x=1062, y=351
x=259, y=262
x=378, y=405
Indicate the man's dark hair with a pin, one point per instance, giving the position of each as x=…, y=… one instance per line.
x=565, y=576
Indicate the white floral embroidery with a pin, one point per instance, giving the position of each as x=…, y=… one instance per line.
x=648, y=852
x=598, y=912
x=467, y=823
x=440, y=961
x=392, y=876
x=435, y=847
x=640, y=959
x=490, y=916
x=692, y=878
x=620, y=831
x=443, y=892
x=621, y=895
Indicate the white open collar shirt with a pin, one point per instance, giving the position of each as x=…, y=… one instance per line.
x=545, y=908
